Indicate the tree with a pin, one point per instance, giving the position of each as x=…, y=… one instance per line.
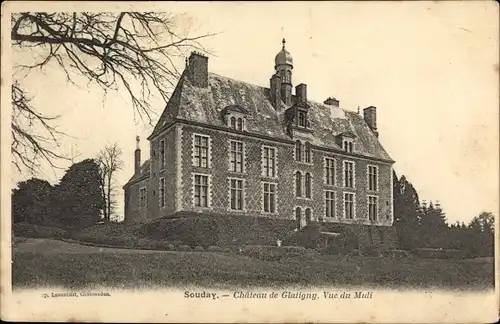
x=433, y=227
x=481, y=239
x=109, y=161
x=32, y=202
x=80, y=200
x=125, y=50
x=406, y=212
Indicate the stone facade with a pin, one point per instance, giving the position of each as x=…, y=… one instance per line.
x=201, y=106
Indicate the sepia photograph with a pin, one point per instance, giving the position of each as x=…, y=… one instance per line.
x=238, y=161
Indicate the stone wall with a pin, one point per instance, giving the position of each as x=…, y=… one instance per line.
x=286, y=168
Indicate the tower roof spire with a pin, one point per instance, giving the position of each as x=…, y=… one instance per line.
x=284, y=42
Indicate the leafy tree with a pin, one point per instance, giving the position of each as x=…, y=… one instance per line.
x=32, y=202
x=109, y=161
x=130, y=51
x=80, y=200
x=406, y=212
x=481, y=238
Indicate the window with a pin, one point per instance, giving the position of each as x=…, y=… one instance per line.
x=162, y=192
x=329, y=203
x=372, y=177
x=298, y=184
x=308, y=216
x=236, y=194
x=372, y=208
x=269, y=197
x=269, y=161
x=143, y=197
x=308, y=152
x=240, y=124
x=349, y=205
x=348, y=146
x=302, y=119
x=330, y=171
x=201, y=190
x=162, y=154
x=298, y=151
x=298, y=216
x=348, y=174
x=308, y=185
x=201, y=151
x=236, y=156
x=233, y=122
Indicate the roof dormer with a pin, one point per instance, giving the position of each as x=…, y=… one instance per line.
x=347, y=141
x=235, y=117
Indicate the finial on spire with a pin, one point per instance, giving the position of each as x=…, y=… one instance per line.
x=283, y=41
x=186, y=59
x=137, y=139
x=358, y=109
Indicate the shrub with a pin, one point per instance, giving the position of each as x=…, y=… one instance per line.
x=36, y=231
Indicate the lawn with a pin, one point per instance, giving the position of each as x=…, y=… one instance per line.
x=38, y=263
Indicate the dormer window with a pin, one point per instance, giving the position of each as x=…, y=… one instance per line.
x=235, y=117
x=347, y=141
x=302, y=119
x=348, y=146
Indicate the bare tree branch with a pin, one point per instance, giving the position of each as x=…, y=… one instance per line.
x=133, y=51
x=109, y=160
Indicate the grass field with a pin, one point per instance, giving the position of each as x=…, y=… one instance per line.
x=43, y=262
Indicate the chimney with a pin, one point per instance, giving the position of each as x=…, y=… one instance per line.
x=275, y=82
x=286, y=93
x=137, y=156
x=331, y=101
x=370, y=116
x=301, y=92
x=198, y=70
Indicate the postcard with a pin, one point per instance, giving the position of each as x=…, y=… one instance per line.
x=264, y=162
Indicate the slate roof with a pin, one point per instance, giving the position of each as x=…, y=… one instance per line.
x=143, y=174
x=205, y=105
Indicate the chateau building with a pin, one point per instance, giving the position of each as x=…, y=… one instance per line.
x=227, y=147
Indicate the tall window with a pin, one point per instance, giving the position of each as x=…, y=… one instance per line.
x=372, y=177
x=201, y=190
x=269, y=161
x=240, y=124
x=162, y=192
x=298, y=216
x=372, y=208
x=307, y=152
x=349, y=205
x=308, y=185
x=143, y=197
x=302, y=119
x=236, y=194
x=269, y=197
x=201, y=151
x=236, y=154
x=330, y=171
x=329, y=203
x=348, y=174
x=298, y=184
x=298, y=151
x=233, y=122
x=308, y=216
x=162, y=154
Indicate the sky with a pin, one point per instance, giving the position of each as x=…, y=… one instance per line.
x=430, y=68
